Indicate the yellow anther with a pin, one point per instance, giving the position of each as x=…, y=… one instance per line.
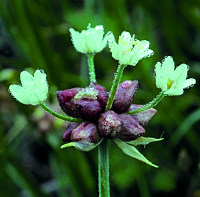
x=169, y=83
x=121, y=41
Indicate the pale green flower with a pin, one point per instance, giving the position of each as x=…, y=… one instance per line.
x=128, y=50
x=170, y=80
x=88, y=92
x=90, y=40
x=34, y=89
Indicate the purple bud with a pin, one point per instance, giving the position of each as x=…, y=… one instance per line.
x=124, y=95
x=86, y=132
x=131, y=129
x=89, y=109
x=145, y=116
x=66, y=101
x=102, y=96
x=109, y=124
x=67, y=133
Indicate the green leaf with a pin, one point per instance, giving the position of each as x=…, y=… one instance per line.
x=83, y=145
x=144, y=141
x=133, y=152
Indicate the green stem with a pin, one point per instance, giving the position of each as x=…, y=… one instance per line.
x=91, y=68
x=103, y=169
x=68, y=118
x=153, y=103
x=113, y=90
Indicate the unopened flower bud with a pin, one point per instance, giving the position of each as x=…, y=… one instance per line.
x=85, y=132
x=102, y=96
x=109, y=124
x=143, y=117
x=125, y=95
x=66, y=101
x=131, y=129
x=67, y=133
x=89, y=109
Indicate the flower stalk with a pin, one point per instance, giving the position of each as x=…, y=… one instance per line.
x=153, y=103
x=67, y=118
x=115, y=84
x=91, y=67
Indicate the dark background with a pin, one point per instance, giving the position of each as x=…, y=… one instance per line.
x=34, y=34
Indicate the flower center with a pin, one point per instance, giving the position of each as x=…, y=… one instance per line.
x=138, y=43
x=125, y=43
x=169, y=83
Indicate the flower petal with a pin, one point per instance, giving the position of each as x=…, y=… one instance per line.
x=26, y=79
x=189, y=82
x=40, y=84
x=168, y=66
x=19, y=93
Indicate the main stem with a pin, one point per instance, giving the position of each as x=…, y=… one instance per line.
x=68, y=118
x=153, y=103
x=91, y=68
x=103, y=169
x=103, y=155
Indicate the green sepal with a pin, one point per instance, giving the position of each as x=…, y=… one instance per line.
x=83, y=145
x=132, y=152
x=144, y=141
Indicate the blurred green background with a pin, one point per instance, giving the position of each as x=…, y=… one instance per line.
x=34, y=34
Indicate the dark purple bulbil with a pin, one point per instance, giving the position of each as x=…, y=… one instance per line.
x=111, y=124
x=124, y=96
x=86, y=108
x=143, y=117
x=89, y=109
x=67, y=133
x=66, y=101
x=131, y=129
x=86, y=131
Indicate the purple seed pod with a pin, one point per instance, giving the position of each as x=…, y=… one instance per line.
x=86, y=132
x=124, y=96
x=109, y=124
x=67, y=133
x=89, y=109
x=66, y=101
x=102, y=96
x=131, y=129
x=145, y=116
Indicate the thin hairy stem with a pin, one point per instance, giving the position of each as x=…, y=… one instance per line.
x=115, y=84
x=153, y=103
x=91, y=68
x=67, y=118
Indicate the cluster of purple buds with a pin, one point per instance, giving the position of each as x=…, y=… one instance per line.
x=98, y=124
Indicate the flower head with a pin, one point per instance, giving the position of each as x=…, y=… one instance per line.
x=170, y=80
x=89, y=104
x=90, y=40
x=128, y=50
x=34, y=88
